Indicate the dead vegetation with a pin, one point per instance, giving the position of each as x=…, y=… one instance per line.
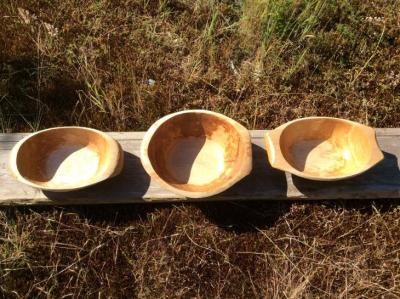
x=120, y=65
x=230, y=250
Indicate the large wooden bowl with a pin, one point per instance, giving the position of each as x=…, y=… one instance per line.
x=196, y=153
x=66, y=158
x=323, y=148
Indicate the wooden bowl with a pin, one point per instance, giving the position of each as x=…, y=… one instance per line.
x=66, y=158
x=196, y=153
x=323, y=148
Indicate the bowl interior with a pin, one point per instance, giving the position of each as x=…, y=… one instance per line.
x=62, y=158
x=326, y=148
x=196, y=151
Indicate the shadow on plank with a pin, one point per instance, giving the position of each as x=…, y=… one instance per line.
x=133, y=182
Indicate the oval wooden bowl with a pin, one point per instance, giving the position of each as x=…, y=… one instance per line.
x=66, y=158
x=196, y=153
x=323, y=148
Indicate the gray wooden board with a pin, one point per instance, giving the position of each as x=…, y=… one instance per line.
x=135, y=186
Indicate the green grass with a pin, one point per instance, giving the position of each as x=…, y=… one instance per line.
x=261, y=62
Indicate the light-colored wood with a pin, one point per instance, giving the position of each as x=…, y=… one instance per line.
x=196, y=153
x=323, y=148
x=65, y=158
x=133, y=185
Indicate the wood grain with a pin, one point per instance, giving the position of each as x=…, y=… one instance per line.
x=133, y=185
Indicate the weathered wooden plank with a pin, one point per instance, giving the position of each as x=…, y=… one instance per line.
x=14, y=137
x=133, y=185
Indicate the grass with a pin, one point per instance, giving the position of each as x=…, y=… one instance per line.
x=120, y=65
x=202, y=250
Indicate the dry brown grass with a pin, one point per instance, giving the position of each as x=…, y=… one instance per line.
x=229, y=250
x=262, y=62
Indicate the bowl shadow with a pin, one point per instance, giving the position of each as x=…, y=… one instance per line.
x=133, y=182
x=56, y=158
x=242, y=216
x=129, y=186
x=381, y=181
x=250, y=214
x=263, y=182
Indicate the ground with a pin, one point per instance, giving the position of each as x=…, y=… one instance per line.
x=120, y=65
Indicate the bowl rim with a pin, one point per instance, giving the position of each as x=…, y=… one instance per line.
x=277, y=159
x=246, y=166
x=113, y=168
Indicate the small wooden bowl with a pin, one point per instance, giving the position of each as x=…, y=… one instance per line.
x=196, y=153
x=323, y=148
x=66, y=158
